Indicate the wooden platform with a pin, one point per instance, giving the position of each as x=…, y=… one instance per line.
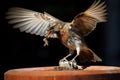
x=50, y=73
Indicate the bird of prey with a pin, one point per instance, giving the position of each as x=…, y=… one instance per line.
x=71, y=34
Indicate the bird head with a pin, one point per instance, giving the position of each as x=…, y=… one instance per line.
x=53, y=29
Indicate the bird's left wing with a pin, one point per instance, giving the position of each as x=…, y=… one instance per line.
x=31, y=21
x=87, y=20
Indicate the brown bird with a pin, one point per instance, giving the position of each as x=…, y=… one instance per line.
x=71, y=34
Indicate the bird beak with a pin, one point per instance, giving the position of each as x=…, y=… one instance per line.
x=50, y=34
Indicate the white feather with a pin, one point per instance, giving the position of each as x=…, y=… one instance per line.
x=30, y=21
x=97, y=10
x=44, y=28
x=21, y=24
x=33, y=27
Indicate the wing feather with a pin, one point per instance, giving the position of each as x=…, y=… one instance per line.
x=30, y=21
x=87, y=20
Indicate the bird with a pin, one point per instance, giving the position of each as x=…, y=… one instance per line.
x=71, y=34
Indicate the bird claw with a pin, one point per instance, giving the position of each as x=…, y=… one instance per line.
x=69, y=64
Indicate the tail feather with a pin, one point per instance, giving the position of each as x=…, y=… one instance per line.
x=87, y=55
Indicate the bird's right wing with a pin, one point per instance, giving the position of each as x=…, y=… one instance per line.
x=31, y=21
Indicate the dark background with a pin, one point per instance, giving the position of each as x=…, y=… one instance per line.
x=21, y=50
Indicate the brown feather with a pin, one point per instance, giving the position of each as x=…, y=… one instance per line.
x=86, y=21
x=87, y=54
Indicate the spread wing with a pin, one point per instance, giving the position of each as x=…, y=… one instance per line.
x=31, y=21
x=87, y=20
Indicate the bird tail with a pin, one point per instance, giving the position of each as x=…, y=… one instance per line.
x=87, y=55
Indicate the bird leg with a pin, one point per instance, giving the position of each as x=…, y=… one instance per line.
x=78, y=51
x=69, y=64
x=70, y=53
x=64, y=62
x=73, y=62
x=78, y=48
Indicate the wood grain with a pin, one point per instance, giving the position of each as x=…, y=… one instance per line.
x=50, y=73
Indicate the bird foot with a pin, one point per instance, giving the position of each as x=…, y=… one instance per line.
x=64, y=63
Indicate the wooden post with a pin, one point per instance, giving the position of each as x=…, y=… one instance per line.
x=50, y=73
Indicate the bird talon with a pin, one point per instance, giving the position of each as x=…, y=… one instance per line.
x=64, y=63
x=73, y=64
x=69, y=64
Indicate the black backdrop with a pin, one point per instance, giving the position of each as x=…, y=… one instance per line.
x=20, y=50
